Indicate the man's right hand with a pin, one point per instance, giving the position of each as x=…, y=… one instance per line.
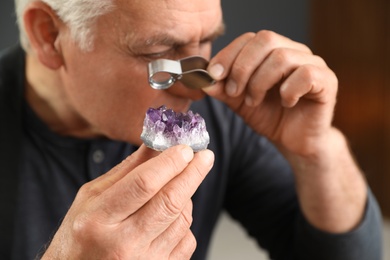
x=141, y=209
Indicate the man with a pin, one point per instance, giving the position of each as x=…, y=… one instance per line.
x=73, y=107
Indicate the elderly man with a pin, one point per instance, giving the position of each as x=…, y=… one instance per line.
x=77, y=183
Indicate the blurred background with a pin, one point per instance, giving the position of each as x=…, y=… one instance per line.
x=353, y=36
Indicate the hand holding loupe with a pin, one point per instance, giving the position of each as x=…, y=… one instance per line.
x=191, y=71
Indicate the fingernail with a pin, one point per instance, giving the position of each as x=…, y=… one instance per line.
x=187, y=153
x=231, y=87
x=216, y=71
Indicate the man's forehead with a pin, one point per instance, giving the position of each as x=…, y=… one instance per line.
x=169, y=37
x=163, y=38
x=150, y=25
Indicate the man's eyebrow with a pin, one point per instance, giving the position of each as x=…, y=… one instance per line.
x=169, y=40
x=217, y=33
x=162, y=39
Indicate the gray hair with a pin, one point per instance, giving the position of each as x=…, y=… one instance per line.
x=79, y=15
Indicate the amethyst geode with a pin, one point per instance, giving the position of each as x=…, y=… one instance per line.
x=164, y=128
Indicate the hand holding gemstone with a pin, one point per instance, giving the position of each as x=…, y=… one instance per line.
x=164, y=128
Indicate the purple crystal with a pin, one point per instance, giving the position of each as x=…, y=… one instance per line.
x=164, y=128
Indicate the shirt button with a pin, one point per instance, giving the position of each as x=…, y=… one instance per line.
x=98, y=156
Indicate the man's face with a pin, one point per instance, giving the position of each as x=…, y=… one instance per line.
x=109, y=87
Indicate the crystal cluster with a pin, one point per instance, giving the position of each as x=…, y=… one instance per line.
x=164, y=128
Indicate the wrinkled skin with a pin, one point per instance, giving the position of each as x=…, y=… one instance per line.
x=105, y=91
x=141, y=209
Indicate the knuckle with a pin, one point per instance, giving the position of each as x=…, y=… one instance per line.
x=279, y=57
x=198, y=171
x=187, y=219
x=81, y=226
x=187, y=247
x=191, y=243
x=141, y=188
x=309, y=72
x=88, y=190
x=266, y=36
x=182, y=225
x=333, y=78
x=310, y=75
x=249, y=35
x=239, y=69
x=170, y=203
x=305, y=48
x=332, y=81
x=320, y=60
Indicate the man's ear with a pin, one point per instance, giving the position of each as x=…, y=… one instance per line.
x=42, y=26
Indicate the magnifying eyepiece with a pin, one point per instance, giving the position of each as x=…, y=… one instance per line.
x=191, y=71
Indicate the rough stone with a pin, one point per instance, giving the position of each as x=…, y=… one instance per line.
x=164, y=128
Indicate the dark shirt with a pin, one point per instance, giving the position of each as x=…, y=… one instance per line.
x=250, y=180
x=53, y=169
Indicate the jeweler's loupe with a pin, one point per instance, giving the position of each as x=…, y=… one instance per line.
x=191, y=71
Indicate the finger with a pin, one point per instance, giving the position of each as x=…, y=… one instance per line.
x=185, y=249
x=161, y=211
x=137, y=187
x=315, y=83
x=253, y=54
x=275, y=68
x=219, y=66
x=106, y=180
x=171, y=237
x=239, y=61
x=141, y=155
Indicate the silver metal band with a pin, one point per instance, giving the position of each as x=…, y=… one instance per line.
x=191, y=71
